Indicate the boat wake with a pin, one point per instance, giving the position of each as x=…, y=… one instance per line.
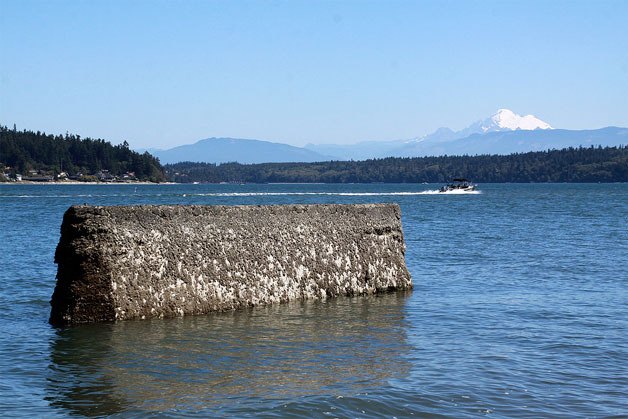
x=253, y=194
x=428, y=192
x=456, y=192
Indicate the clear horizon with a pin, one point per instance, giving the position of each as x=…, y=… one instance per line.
x=160, y=74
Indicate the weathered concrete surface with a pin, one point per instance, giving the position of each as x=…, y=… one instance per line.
x=136, y=262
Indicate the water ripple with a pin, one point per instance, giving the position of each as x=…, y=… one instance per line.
x=520, y=309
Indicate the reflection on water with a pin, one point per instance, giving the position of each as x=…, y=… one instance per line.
x=79, y=376
x=338, y=347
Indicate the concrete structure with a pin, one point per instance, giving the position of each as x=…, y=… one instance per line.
x=136, y=262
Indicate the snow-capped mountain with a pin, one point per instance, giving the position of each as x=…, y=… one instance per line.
x=507, y=120
x=504, y=132
x=516, y=141
x=502, y=120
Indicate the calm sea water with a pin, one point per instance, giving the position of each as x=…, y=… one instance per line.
x=520, y=308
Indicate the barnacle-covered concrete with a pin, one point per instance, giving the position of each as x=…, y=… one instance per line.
x=136, y=262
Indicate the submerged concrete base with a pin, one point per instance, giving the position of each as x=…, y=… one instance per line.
x=136, y=262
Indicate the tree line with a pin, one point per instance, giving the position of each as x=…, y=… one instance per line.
x=582, y=164
x=22, y=151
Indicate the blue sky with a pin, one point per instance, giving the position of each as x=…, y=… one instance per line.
x=165, y=73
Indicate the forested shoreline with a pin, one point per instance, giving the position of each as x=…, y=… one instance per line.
x=42, y=156
x=55, y=157
x=583, y=164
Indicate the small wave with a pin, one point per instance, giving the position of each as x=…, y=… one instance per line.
x=457, y=192
x=62, y=196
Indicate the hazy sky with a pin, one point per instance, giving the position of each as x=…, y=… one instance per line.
x=164, y=73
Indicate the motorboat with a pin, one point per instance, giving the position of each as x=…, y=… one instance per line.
x=458, y=185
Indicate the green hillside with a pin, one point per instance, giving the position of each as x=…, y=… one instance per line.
x=44, y=156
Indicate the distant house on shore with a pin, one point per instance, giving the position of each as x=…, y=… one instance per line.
x=128, y=176
x=37, y=178
x=105, y=176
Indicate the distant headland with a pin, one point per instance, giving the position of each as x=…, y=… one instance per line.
x=29, y=156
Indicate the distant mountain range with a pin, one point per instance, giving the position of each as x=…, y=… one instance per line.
x=519, y=141
x=505, y=132
x=225, y=150
x=444, y=140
